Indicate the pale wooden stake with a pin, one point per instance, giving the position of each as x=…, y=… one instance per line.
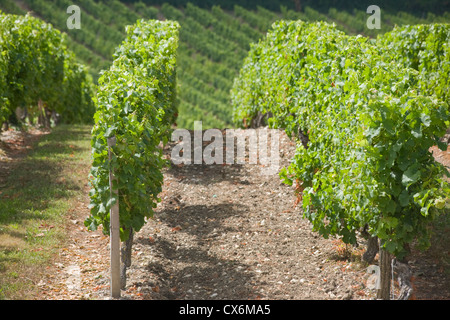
x=114, y=232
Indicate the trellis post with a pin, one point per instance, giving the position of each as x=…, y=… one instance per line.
x=114, y=231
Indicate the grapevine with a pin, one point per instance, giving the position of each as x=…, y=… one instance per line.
x=136, y=103
x=369, y=120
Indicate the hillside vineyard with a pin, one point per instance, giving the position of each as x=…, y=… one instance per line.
x=358, y=100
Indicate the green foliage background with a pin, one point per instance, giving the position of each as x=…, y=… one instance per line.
x=215, y=37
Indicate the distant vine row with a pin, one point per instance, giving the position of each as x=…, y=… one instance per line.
x=39, y=73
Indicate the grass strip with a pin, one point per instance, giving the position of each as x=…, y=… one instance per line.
x=39, y=194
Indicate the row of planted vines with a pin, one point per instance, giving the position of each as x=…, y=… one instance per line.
x=136, y=104
x=39, y=74
x=365, y=113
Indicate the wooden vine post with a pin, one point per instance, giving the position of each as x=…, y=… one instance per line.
x=114, y=232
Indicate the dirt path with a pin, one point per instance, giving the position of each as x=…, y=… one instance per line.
x=224, y=232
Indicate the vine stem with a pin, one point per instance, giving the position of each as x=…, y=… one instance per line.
x=385, y=275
